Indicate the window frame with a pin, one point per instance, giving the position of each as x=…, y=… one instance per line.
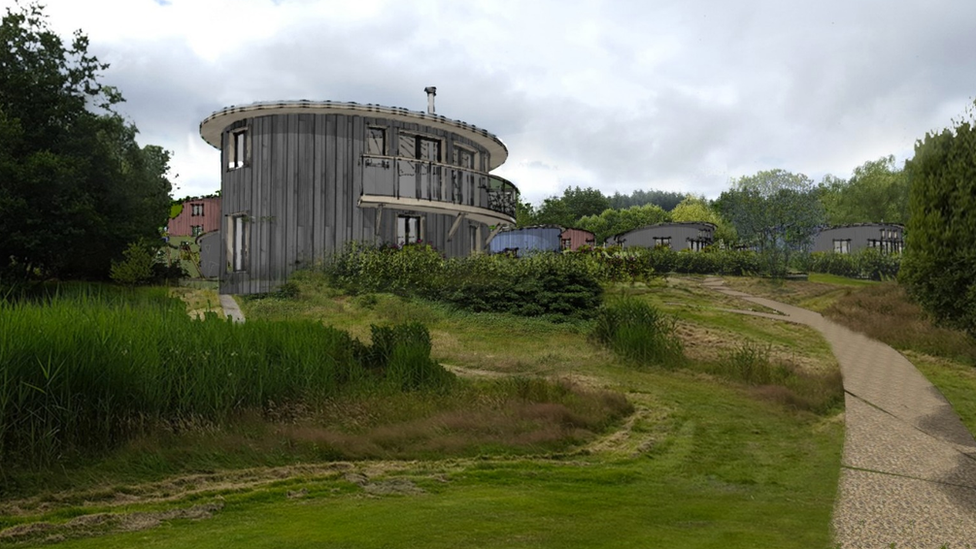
x=403, y=236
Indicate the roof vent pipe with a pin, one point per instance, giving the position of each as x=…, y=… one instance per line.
x=431, y=92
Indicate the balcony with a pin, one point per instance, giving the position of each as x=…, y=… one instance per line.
x=419, y=185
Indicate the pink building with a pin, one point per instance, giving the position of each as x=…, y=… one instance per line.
x=572, y=239
x=199, y=216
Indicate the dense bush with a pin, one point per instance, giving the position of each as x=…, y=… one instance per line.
x=636, y=330
x=868, y=263
x=88, y=370
x=540, y=284
x=940, y=252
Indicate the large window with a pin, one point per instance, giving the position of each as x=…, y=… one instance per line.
x=842, y=246
x=408, y=229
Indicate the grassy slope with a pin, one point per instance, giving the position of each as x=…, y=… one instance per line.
x=701, y=464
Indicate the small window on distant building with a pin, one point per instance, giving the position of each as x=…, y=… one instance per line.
x=376, y=141
x=408, y=229
x=196, y=230
x=566, y=244
x=842, y=246
x=662, y=241
x=237, y=149
x=196, y=209
x=473, y=235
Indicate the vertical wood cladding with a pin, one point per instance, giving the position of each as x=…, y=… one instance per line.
x=299, y=191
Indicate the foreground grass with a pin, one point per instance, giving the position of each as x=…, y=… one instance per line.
x=703, y=461
x=703, y=466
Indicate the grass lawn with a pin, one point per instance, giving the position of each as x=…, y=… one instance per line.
x=703, y=461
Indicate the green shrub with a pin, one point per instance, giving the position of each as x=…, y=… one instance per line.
x=636, y=330
x=869, y=263
x=541, y=284
x=136, y=268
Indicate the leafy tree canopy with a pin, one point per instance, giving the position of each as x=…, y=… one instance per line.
x=667, y=200
x=611, y=221
x=940, y=251
x=75, y=187
x=877, y=191
x=775, y=211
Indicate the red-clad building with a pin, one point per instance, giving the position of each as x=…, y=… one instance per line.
x=199, y=216
x=572, y=239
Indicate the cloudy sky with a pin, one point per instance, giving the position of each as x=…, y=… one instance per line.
x=678, y=95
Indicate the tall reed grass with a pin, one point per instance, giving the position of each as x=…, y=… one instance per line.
x=636, y=330
x=82, y=370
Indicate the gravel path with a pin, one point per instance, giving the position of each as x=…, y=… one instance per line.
x=908, y=473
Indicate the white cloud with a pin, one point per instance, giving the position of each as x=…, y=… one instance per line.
x=671, y=94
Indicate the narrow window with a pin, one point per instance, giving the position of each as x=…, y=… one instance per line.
x=567, y=243
x=196, y=230
x=408, y=229
x=842, y=246
x=196, y=210
x=237, y=149
x=239, y=236
x=662, y=241
x=376, y=141
x=473, y=236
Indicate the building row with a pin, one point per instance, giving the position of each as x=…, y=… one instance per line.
x=300, y=179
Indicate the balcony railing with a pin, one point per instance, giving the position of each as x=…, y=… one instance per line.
x=437, y=183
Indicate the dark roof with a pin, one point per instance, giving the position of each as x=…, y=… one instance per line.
x=667, y=224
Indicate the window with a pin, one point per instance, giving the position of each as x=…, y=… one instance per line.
x=237, y=149
x=376, y=141
x=566, y=244
x=196, y=230
x=473, y=237
x=237, y=243
x=662, y=241
x=196, y=210
x=428, y=149
x=842, y=246
x=408, y=229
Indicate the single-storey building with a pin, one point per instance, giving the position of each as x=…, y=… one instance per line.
x=678, y=236
x=571, y=239
x=300, y=179
x=539, y=238
x=886, y=237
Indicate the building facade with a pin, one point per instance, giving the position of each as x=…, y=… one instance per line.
x=199, y=216
x=571, y=239
x=301, y=179
x=885, y=237
x=678, y=236
x=524, y=240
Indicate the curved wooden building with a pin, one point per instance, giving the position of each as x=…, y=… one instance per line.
x=300, y=179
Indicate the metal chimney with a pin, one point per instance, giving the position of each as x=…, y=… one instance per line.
x=431, y=92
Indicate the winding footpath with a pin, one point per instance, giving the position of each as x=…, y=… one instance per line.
x=908, y=473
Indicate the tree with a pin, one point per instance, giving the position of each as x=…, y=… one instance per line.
x=694, y=208
x=75, y=188
x=524, y=213
x=877, y=191
x=574, y=204
x=775, y=211
x=611, y=222
x=667, y=200
x=940, y=250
